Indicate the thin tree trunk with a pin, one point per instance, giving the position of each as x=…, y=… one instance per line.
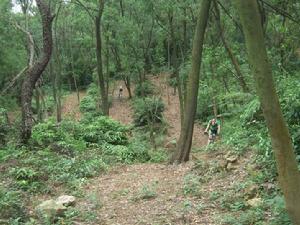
x=175, y=65
x=34, y=72
x=101, y=80
x=288, y=172
x=234, y=61
x=73, y=72
x=128, y=85
x=186, y=134
x=57, y=79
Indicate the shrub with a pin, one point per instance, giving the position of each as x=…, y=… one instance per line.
x=88, y=104
x=124, y=154
x=144, y=89
x=148, y=110
x=104, y=130
x=252, y=111
x=62, y=138
x=11, y=205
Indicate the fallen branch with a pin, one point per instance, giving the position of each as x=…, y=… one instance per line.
x=13, y=81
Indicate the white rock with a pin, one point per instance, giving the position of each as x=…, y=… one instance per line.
x=50, y=209
x=254, y=202
x=66, y=200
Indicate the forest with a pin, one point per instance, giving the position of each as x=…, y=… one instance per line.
x=150, y=112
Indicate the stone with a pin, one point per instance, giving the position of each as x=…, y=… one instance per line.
x=50, y=209
x=232, y=159
x=223, y=164
x=254, y=202
x=251, y=191
x=231, y=166
x=66, y=200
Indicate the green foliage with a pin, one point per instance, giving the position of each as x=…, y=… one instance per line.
x=11, y=206
x=280, y=215
x=252, y=112
x=4, y=126
x=144, y=89
x=26, y=178
x=158, y=156
x=124, y=154
x=8, y=103
x=89, y=103
x=104, y=130
x=192, y=185
x=61, y=138
x=147, y=111
x=146, y=192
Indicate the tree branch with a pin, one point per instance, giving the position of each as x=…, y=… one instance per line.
x=280, y=11
x=13, y=81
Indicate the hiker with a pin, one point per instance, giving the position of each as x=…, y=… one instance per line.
x=120, y=92
x=213, y=129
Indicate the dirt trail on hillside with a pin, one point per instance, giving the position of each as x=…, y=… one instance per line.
x=121, y=108
x=157, y=194
x=172, y=112
x=70, y=105
x=145, y=194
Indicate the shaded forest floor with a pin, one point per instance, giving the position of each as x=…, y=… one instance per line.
x=160, y=193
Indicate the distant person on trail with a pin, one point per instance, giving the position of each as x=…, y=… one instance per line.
x=120, y=92
x=213, y=129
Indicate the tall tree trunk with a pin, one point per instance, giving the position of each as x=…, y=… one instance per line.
x=288, y=172
x=234, y=61
x=128, y=85
x=73, y=72
x=34, y=72
x=58, y=73
x=175, y=66
x=101, y=80
x=186, y=134
x=185, y=38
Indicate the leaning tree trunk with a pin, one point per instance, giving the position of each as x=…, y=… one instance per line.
x=101, y=80
x=288, y=172
x=186, y=134
x=35, y=71
x=234, y=61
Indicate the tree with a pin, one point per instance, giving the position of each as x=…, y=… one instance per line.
x=288, y=172
x=101, y=80
x=96, y=15
x=186, y=134
x=234, y=61
x=36, y=70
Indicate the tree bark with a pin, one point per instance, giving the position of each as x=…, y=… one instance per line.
x=101, y=80
x=186, y=134
x=288, y=172
x=58, y=73
x=34, y=72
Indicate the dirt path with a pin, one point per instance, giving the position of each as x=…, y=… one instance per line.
x=172, y=113
x=70, y=106
x=156, y=194
x=145, y=194
x=121, y=108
